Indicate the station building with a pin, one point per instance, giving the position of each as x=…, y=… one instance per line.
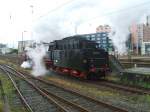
x=22, y=45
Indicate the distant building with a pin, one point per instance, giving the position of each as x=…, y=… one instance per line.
x=102, y=39
x=4, y=49
x=140, y=38
x=103, y=28
x=136, y=38
x=22, y=45
x=44, y=44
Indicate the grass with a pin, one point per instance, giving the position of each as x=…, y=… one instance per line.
x=80, y=87
x=128, y=81
x=1, y=106
x=8, y=88
x=135, y=82
x=9, y=91
x=112, y=96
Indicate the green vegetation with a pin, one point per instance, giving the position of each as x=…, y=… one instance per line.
x=10, y=93
x=134, y=101
x=1, y=106
x=135, y=83
x=94, y=91
x=13, y=51
x=131, y=79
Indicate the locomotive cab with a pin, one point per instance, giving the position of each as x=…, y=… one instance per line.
x=95, y=62
x=95, y=59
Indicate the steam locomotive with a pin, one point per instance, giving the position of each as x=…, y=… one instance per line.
x=78, y=57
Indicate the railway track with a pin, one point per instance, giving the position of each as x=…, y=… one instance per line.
x=71, y=100
x=114, y=85
x=126, y=88
x=11, y=58
x=33, y=98
x=10, y=101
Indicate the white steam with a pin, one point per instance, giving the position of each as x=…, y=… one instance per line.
x=36, y=55
x=26, y=64
x=84, y=16
x=121, y=26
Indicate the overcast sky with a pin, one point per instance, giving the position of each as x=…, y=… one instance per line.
x=54, y=19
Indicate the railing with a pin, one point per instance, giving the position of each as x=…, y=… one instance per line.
x=116, y=64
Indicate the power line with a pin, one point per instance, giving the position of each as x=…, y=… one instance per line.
x=105, y=14
x=119, y=11
x=55, y=9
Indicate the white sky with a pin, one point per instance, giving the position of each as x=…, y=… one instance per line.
x=17, y=17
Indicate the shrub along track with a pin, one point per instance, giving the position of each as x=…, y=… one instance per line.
x=118, y=86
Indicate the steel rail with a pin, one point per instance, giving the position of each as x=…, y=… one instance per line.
x=48, y=94
x=65, y=101
x=122, y=87
x=62, y=109
x=114, y=108
x=26, y=105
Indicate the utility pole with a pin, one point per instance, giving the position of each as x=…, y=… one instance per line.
x=32, y=12
x=22, y=44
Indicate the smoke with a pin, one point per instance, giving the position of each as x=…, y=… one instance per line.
x=84, y=16
x=121, y=26
x=64, y=22
x=36, y=55
x=26, y=64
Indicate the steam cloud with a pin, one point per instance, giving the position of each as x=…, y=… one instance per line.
x=26, y=64
x=36, y=55
x=81, y=17
x=75, y=17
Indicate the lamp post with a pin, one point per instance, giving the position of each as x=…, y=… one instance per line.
x=32, y=14
x=22, y=46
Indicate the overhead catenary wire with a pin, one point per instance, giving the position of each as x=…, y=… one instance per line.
x=55, y=9
x=102, y=15
x=119, y=11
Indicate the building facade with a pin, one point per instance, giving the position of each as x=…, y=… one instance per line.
x=103, y=28
x=102, y=38
x=22, y=45
x=140, y=38
x=4, y=49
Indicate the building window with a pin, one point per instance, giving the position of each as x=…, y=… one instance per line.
x=104, y=45
x=104, y=34
x=93, y=36
x=93, y=39
x=98, y=35
x=98, y=38
x=104, y=39
x=87, y=36
x=98, y=41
